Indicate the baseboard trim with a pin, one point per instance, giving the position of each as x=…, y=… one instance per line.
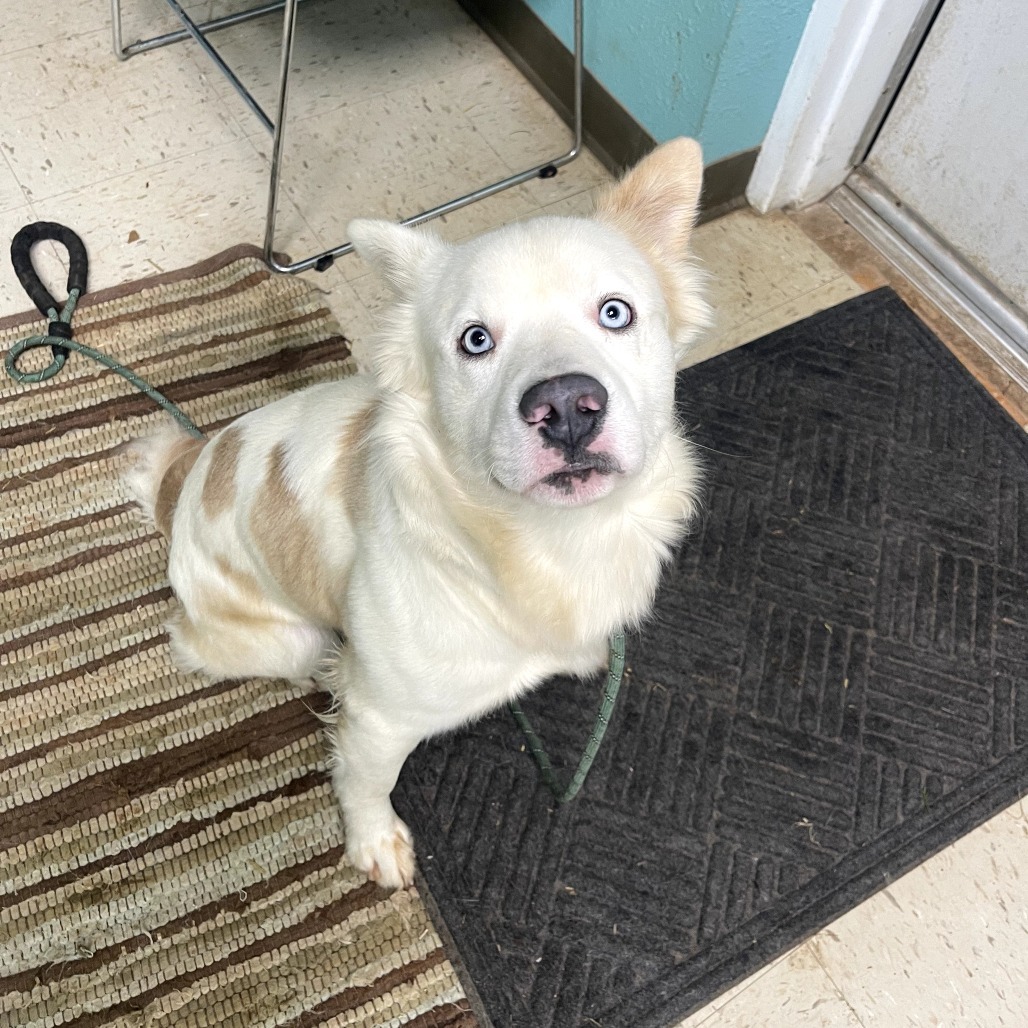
x=611, y=133
x=724, y=184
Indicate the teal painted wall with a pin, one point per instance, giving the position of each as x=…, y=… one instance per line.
x=712, y=69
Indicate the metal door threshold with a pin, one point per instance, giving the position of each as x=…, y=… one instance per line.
x=987, y=316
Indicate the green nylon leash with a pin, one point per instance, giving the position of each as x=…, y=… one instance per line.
x=61, y=344
x=58, y=337
x=615, y=672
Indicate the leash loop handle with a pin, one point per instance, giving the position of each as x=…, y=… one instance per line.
x=58, y=335
x=59, y=328
x=21, y=259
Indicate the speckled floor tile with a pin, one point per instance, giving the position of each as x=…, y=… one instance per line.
x=399, y=44
x=794, y=992
x=763, y=273
x=945, y=944
x=722, y=337
x=523, y=129
x=31, y=25
x=79, y=116
x=577, y=205
x=499, y=209
x=11, y=194
x=174, y=214
x=407, y=151
x=761, y=261
x=143, y=19
x=519, y=124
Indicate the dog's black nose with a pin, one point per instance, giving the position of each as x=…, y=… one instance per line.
x=568, y=409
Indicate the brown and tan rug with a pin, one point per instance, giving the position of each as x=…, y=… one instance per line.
x=170, y=851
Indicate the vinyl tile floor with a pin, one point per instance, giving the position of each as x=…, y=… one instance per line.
x=397, y=106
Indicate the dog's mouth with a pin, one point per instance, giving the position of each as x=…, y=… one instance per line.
x=585, y=477
x=581, y=470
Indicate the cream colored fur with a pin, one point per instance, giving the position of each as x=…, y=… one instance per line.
x=406, y=511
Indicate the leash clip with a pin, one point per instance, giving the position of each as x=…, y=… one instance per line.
x=58, y=330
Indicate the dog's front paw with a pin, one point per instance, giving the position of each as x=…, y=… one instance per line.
x=386, y=857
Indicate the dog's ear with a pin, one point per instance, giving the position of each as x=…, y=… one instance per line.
x=397, y=253
x=655, y=205
x=401, y=256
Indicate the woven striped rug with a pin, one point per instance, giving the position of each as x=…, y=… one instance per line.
x=170, y=851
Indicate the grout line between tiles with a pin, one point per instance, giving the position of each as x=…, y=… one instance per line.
x=5, y=54
x=743, y=988
x=798, y=298
x=567, y=199
x=816, y=953
x=143, y=168
x=26, y=199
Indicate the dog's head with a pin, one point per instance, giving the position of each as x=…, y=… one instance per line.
x=545, y=351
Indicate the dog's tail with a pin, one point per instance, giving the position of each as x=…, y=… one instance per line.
x=157, y=467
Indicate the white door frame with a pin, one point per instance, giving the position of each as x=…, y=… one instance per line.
x=847, y=58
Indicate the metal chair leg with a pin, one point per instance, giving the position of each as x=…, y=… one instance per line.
x=322, y=261
x=276, y=127
x=119, y=49
x=123, y=52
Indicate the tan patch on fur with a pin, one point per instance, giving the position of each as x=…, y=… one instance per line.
x=248, y=600
x=240, y=603
x=350, y=466
x=537, y=593
x=182, y=457
x=289, y=546
x=219, y=487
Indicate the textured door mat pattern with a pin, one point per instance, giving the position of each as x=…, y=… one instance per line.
x=170, y=850
x=834, y=687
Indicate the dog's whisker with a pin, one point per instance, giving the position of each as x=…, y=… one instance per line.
x=723, y=453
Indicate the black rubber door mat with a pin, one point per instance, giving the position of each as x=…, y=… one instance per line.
x=832, y=690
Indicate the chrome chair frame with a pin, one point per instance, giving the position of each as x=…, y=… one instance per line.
x=276, y=126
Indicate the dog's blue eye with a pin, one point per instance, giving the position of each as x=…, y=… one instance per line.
x=615, y=314
x=476, y=340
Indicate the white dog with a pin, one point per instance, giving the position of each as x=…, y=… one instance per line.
x=478, y=514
